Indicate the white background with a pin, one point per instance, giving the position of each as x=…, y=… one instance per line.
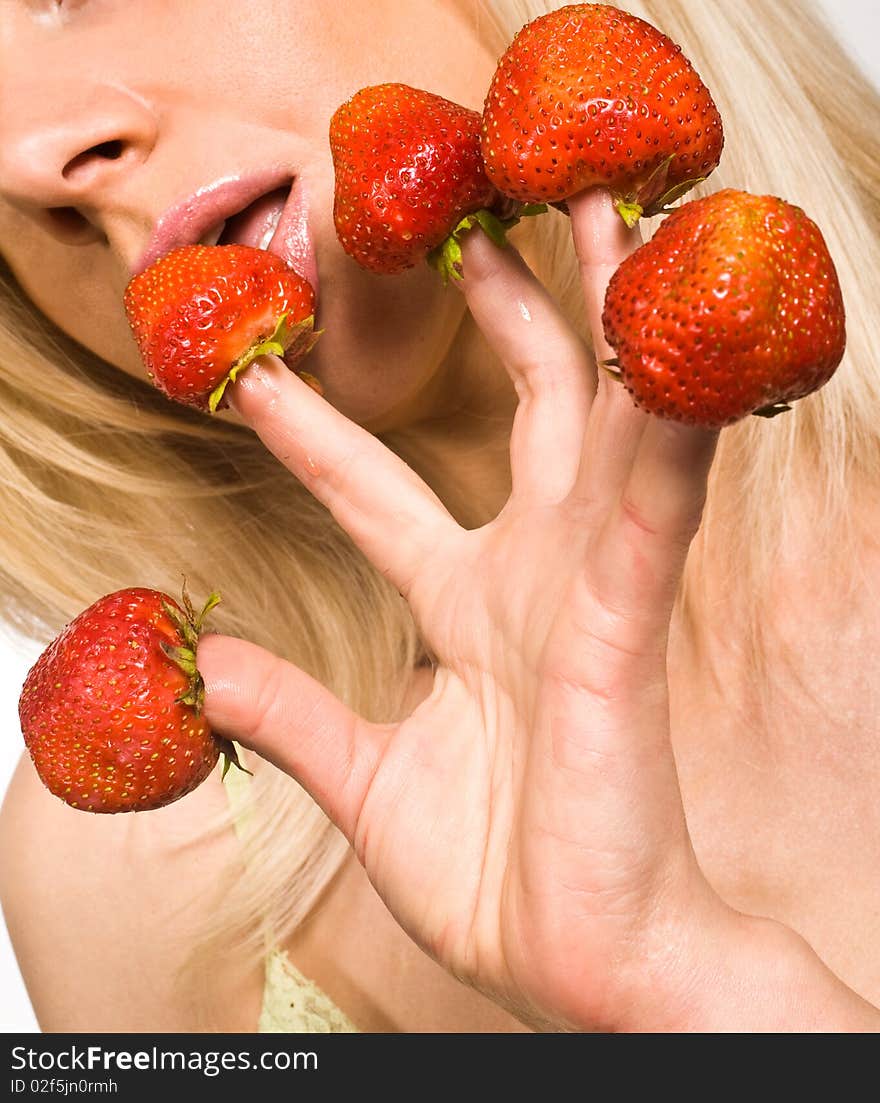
x=857, y=23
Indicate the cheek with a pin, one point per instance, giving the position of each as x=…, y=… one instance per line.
x=82, y=295
x=100, y=324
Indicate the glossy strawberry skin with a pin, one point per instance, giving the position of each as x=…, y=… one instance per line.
x=733, y=307
x=592, y=96
x=200, y=308
x=99, y=710
x=408, y=169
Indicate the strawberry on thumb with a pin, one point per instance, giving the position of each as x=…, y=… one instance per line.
x=112, y=711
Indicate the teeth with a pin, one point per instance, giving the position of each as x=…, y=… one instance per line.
x=270, y=230
x=213, y=235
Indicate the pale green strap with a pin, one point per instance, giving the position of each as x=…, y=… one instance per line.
x=293, y=1004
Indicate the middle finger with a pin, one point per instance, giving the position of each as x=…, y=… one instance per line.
x=602, y=242
x=548, y=361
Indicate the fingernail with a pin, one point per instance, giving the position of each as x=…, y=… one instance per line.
x=257, y=377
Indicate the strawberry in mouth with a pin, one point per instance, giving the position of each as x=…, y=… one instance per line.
x=202, y=314
x=228, y=275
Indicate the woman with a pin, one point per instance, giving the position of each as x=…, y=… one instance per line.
x=601, y=780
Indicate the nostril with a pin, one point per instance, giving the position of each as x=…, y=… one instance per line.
x=112, y=151
x=105, y=151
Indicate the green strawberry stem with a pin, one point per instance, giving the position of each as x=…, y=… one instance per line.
x=230, y=756
x=629, y=212
x=445, y=258
x=300, y=338
x=652, y=197
x=184, y=657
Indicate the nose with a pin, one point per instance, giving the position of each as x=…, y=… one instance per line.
x=67, y=163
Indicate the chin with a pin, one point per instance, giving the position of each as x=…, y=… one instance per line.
x=384, y=339
x=377, y=384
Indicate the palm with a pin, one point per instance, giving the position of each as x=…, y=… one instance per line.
x=476, y=780
x=451, y=776
x=520, y=818
x=454, y=778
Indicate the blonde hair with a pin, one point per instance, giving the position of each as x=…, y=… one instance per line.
x=106, y=485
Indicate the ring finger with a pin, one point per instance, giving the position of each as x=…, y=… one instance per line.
x=546, y=358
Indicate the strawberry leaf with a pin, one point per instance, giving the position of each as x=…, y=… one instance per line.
x=301, y=337
x=230, y=756
x=212, y=603
x=662, y=205
x=445, y=258
x=311, y=381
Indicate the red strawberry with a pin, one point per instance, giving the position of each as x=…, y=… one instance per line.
x=202, y=313
x=592, y=96
x=408, y=172
x=110, y=712
x=733, y=307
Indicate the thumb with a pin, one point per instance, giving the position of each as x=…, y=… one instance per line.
x=290, y=719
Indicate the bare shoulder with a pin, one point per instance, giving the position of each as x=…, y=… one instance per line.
x=103, y=910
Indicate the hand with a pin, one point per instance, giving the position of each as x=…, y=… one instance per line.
x=524, y=824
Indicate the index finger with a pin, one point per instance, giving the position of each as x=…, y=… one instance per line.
x=391, y=514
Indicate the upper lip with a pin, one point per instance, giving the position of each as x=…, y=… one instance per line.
x=188, y=220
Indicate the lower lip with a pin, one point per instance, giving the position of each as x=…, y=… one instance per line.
x=292, y=240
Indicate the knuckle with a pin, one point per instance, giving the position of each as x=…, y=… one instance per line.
x=637, y=517
x=336, y=475
x=671, y=524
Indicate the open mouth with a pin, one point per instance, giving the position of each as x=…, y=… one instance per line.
x=254, y=226
x=275, y=220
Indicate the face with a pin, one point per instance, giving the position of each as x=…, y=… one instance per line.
x=122, y=118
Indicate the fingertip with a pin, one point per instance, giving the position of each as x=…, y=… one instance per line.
x=699, y=435
x=689, y=446
x=215, y=662
x=229, y=667
x=591, y=203
x=601, y=237
x=258, y=384
x=481, y=258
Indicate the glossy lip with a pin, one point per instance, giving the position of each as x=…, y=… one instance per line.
x=292, y=240
x=187, y=221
